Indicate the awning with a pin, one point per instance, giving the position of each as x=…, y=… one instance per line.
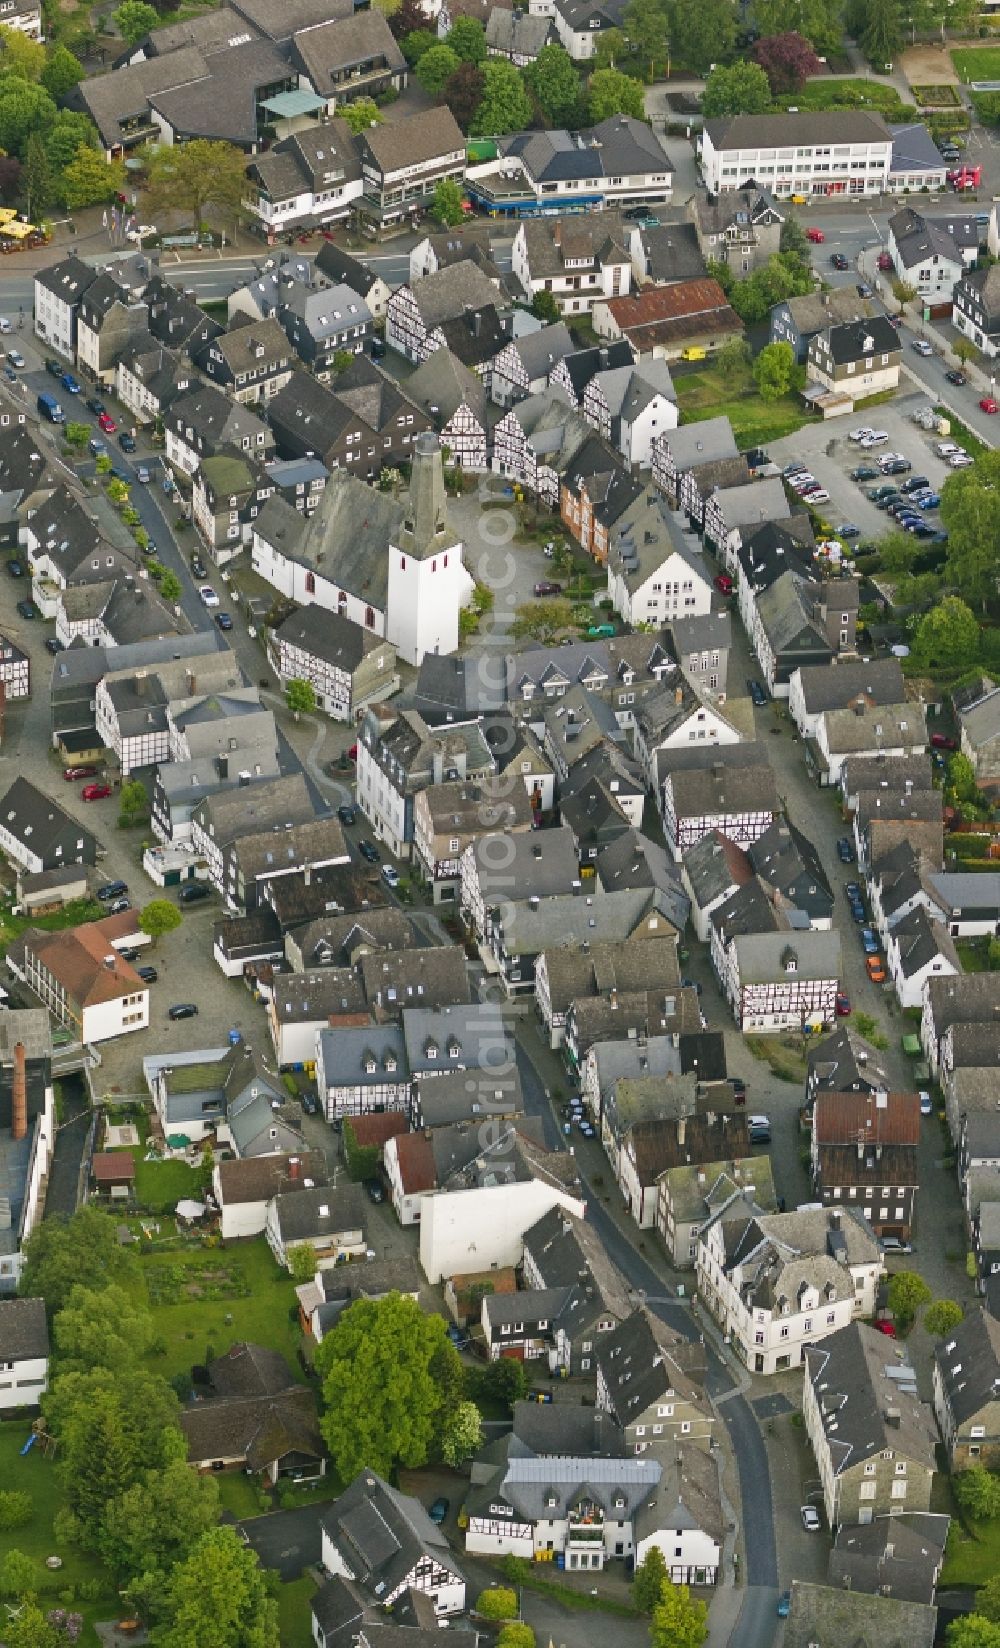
x=288, y=104
x=178, y=1141
x=190, y=1210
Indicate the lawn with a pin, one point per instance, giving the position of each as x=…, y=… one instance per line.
x=293, y=1613
x=35, y=1474
x=74, y=915
x=847, y=94
x=710, y=394
x=787, y=1062
x=972, y=1559
x=216, y=1297
x=161, y=1185
x=977, y=64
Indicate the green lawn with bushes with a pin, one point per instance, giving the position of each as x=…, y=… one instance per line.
x=714, y=393
x=215, y=1297
x=977, y=63
x=81, y=1572
x=849, y=94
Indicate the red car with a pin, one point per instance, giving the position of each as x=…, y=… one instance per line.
x=724, y=584
x=71, y=774
x=95, y=792
x=988, y=404
x=352, y=754
x=843, y=1006
x=888, y=1328
x=884, y=261
x=816, y=236
x=941, y=741
x=107, y=423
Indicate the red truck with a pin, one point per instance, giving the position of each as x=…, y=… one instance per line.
x=965, y=177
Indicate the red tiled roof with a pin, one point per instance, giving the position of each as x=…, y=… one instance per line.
x=374, y=1130
x=111, y=1166
x=416, y=1163
x=85, y=962
x=688, y=308
x=853, y=1118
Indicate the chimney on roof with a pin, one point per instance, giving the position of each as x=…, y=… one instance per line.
x=191, y=681
x=19, y=1120
x=681, y=1129
x=893, y=1418
x=557, y=233
x=294, y=1167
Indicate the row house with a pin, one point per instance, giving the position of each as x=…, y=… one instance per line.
x=366, y=424
x=619, y=162
x=630, y=407
x=205, y=421
x=403, y=163
x=347, y=667
x=399, y=755
x=967, y=1392
x=110, y=319
x=251, y=363
x=650, y=1382
x=778, y=981
x=800, y=622
x=385, y=1545
x=729, y=788
x=817, y=690
x=220, y=818
x=228, y=494
x=778, y=1283
x=687, y=1195
x=856, y=360
x=527, y=364
x=448, y=817
x=970, y=998
x=414, y=314
x=655, y=575
x=536, y=442
x=595, y=492
x=820, y=154
x=575, y=370
x=677, y=451
x=306, y=180
x=579, y=260
x=860, y=1141
x=918, y=948
x=455, y=401
x=731, y=512
x=148, y=376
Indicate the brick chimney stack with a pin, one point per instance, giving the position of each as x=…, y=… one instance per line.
x=19, y=1120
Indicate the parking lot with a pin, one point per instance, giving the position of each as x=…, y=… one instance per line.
x=831, y=455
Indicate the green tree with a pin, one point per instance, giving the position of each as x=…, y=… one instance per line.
x=467, y=39
x=21, y=55
x=90, y=179
x=112, y=1427
x=300, y=696
x=505, y=1380
x=978, y=1493
x=973, y=1631
x=118, y=492
x=463, y=1434
x=218, y=1596
x=497, y=1602
x=544, y=307
x=361, y=114
x=903, y=291
x=190, y=177
x=608, y=47
x=416, y=43
x=793, y=237
x=970, y=512
x=18, y=1574
x=101, y=1328
x=383, y=1367
x=988, y=1599
x=24, y=110
x=907, y=1293
x=159, y=916
x=542, y=620
x=170, y=586
x=554, y=83
x=964, y=350
x=16, y=1509
x=702, y=32
x=29, y=1628
x=77, y=434
x=59, y=1251
x=679, y=1619
x=947, y=636
x=647, y=1586
x=156, y=1522
x=645, y=25
x=435, y=68
x=516, y=1635
x=134, y=19
x=741, y=89
x=611, y=92
x=36, y=178
x=773, y=371
x=447, y=203
x=62, y=72
x=361, y=1161
x=733, y=357
x=132, y=798
x=942, y=1316
x=302, y=1262
x=63, y=138
x=816, y=20
x=962, y=784
x=506, y=106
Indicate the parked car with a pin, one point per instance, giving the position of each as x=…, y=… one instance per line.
x=848, y=530
x=928, y=500
x=149, y=975
x=27, y=610
x=390, y=875
x=916, y=483
x=127, y=442
x=845, y=850
x=784, y=1604
x=72, y=774
x=759, y=1129
x=96, y=447
x=96, y=405
x=546, y=586
x=439, y=1510
x=869, y=941
x=107, y=423
x=957, y=378
x=864, y=472
x=198, y=567
x=54, y=368
x=193, y=892
x=943, y=741
x=757, y=694
x=898, y=466
x=68, y=382
x=53, y=644
x=810, y=1518
x=860, y=434
x=95, y=792
x=182, y=1010
x=112, y=889
x=842, y=1005
x=223, y=620
x=16, y=359
x=723, y=583
x=884, y=262
x=309, y=1103
x=119, y=907
x=15, y=569
x=374, y=1191
x=208, y=595
x=347, y=815
x=142, y=474
x=922, y=346
x=926, y=1107
x=875, y=968
x=988, y=404
x=892, y=1244
x=369, y=851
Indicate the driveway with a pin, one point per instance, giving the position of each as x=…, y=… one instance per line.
x=287, y=1540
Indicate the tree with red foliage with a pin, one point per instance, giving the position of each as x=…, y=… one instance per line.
x=409, y=17
x=787, y=60
x=463, y=93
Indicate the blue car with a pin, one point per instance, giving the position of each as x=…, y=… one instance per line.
x=784, y=1604
x=869, y=941
x=928, y=500
x=70, y=384
x=858, y=914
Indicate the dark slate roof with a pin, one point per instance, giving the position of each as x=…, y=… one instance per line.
x=857, y=1374
x=24, y=1333
x=855, y=340
x=672, y=252
x=642, y=1360
x=968, y=1363
x=327, y=636
x=312, y=1215
x=778, y=131
x=37, y=820
x=894, y=1556
x=382, y=1534
x=563, y=1428
x=822, y=1617
x=342, y=269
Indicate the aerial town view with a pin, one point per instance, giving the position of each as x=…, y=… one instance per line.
x=500, y=823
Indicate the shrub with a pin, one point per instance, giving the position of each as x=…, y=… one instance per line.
x=15, y=1509
x=498, y=1602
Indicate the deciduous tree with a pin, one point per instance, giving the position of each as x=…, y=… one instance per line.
x=435, y=67
x=302, y=1262
x=10, y=178
x=611, y=92
x=384, y=1402
x=741, y=89
x=132, y=798
x=59, y=1251
x=29, y=1628
x=90, y=178
x=818, y=20
x=19, y=1574
x=787, y=59
x=497, y=1602
x=190, y=177
x=515, y=1634
x=156, y=1522
x=554, y=83
x=170, y=586
x=679, y=1619
x=970, y=511
x=447, y=203
x=882, y=35
x=159, y=916
x=978, y=1493
x=608, y=47
x=134, y=19
x=21, y=54
x=16, y=1509
x=300, y=696
x=542, y=620
x=62, y=139
x=907, y=1293
x=942, y=1316
x=947, y=636
x=544, y=307
x=25, y=109
x=467, y=39
x=464, y=93
x=112, y=1428
x=973, y=1631
x=463, y=1434
x=702, y=32
x=218, y=1596
x=773, y=371
x=416, y=43
x=647, y=1586
x=506, y=106
x=101, y=1328
x=645, y=25
x=988, y=1599
x=62, y=72
x=361, y=114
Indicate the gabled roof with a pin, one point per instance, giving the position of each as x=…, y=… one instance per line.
x=326, y=49
x=822, y=1616
x=413, y=141
x=779, y=131
x=668, y=314
x=382, y=1535
x=24, y=1333
x=443, y=384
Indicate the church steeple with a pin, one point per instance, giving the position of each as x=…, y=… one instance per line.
x=425, y=529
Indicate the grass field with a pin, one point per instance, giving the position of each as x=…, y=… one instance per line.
x=977, y=64
x=787, y=1063
x=845, y=94
x=35, y=1475
x=710, y=394
x=972, y=1560
x=293, y=1613
x=217, y=1297
x=160, y=1185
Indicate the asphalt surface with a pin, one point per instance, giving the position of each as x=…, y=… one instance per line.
x=288, y=1541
